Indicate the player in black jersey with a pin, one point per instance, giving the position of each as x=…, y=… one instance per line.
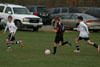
x=59, y=35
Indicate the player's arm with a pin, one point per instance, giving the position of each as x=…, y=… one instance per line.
x=77, y=24
x=15, y=28
x=5, y=30
x=57, y=29
x=78, y=29
x=86, y=28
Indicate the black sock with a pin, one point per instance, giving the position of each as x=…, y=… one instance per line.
x=55, y=48
x=77, y=47
x=64, y=43
x=8, y=45
x=96, y=46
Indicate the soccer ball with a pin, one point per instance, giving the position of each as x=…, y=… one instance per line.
x=47, y=51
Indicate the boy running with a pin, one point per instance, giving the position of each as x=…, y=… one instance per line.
x=59, y=35
x=84, y=34
x=11, y=37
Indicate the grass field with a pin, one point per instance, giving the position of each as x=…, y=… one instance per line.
x=35, y=43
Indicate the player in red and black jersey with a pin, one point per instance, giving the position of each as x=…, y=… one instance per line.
x=59, y=35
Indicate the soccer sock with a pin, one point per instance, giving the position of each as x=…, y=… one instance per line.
x=55, y=48
x=8, y=45
x=64, y=43
x=96, y=46
x=77, y=47
x=16, y=42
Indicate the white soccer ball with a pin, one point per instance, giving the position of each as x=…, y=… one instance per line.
x=47, y=51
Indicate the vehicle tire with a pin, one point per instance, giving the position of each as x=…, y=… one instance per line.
x=95, y=30
x=44, y=23
x=18, y=24
x=2, y=26
x=35, y=29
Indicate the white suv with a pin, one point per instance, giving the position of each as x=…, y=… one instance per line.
x=21, y=16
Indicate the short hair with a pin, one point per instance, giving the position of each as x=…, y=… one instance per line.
x=57, y=18
x=9, y=17
x=80, y=18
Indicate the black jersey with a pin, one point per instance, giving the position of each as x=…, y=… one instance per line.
x=60, y=28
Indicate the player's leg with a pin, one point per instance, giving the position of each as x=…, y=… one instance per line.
x=54, y=48
x=93, y=44
x=8, y=43
x=18, y=42
x=12, y=41
x=90, y=43
x=77, y=45
x=66, y=42
x=62, y=43
x=21, y=43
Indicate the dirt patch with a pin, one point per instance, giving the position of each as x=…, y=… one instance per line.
x=50, y=28
x=47, y=28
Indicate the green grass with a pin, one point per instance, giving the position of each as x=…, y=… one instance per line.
x=35, y=43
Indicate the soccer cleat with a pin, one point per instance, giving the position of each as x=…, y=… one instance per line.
x=69, y=43
x=54, y=53
x=77, y=51
x=21, y=43
x=99, y=49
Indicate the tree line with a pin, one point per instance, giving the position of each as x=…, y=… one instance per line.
x=55, y=3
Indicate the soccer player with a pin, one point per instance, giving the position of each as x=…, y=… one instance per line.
x=84, y=34
x=59, y=35
x=11, y=37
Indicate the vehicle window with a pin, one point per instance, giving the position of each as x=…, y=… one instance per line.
x=31, y=9
x=8, y=9
x=1, y=8
x=74, y=10
x=21, y=11
x=85, y=16
x=56, y=11
x=66, y=16
x=64, y=10
x=74, y=17
x=93, y=11
x=42, y=9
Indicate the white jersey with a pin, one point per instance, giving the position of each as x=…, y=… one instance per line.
x=11, y=26
x=83, y=28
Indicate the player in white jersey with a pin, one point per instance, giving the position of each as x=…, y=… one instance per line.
x=12, y=31
x=84, y=34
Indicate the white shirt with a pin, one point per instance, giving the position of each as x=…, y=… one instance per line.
x=11, y=26
x=83, y=28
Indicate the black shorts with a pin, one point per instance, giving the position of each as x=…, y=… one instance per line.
x=81, y=38
x=58, y=38
x=11, y=37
